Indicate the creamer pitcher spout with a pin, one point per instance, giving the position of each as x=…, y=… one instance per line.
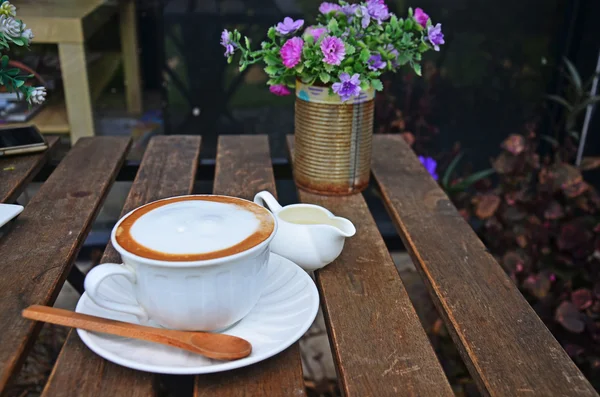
x=307, y=234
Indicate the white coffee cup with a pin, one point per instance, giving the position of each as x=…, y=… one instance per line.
x=195, y=262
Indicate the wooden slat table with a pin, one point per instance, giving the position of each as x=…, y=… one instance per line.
x=379, y=345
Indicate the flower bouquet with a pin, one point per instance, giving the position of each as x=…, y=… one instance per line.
x=334, y=67
x=14, y=32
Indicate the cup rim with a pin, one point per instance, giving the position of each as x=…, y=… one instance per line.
x=204, y=262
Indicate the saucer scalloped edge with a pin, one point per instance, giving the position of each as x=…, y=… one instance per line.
x=284, y=312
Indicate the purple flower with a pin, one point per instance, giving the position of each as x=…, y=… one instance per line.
x=363, y=13
x=291, y=52
x=333, y=50
x=378, y=10
x=315, y=31
x=349, y=10
x=375, y=62
x=226, y=42
x=435, y=36
x=430, y=165
x=421, y=17
x=288, y=26
x=326, y=8
x=279, y=90
x=348, y=87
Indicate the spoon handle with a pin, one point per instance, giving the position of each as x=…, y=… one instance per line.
x=217, y=346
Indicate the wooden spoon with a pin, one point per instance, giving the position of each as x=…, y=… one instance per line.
x=217, y=346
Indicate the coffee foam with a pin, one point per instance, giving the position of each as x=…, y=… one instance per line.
x=194, y=228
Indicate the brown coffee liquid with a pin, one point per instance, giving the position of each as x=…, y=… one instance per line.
x=129, y=244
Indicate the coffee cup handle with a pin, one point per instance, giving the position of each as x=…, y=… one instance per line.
x=96, y=277
x=267, y=200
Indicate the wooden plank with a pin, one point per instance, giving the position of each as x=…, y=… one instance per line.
x=243, y=169
x=167, y=169
x=64, y=21
x=508, y=349
x=131, y=58
x=17, y=171
x=380, y=347
x=45, y=239
x=77, y=90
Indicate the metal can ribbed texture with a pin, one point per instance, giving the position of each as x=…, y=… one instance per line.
x=332, y=151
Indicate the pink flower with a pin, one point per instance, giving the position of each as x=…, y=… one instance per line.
x=333, y=50
x=421, y=17
x=279, y=90
x=291, y=52
x=315, y=31
x=326, y=8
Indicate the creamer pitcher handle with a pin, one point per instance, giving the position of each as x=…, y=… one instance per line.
x=267, y=198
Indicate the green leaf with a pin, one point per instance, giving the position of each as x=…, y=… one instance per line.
x=328, y=68
x=4, y=61
x=308, y=63
x=450, y=169
x=365, y=54
x=408, y=24
x=403, y=59
x=417, y=68
x=271, y=60
x=560, y=101
x=574, y=76
x=333, y=26
x=325, y=78
x=299, y=68
x=19, y=83
x=18, y=41
x=574, y=134
x=270, y=70
x=376, y=84
x=247, y=41
x=423, y=46
x=364, y=85
x=471, y=179
x=13, y=71
x=585, y=104
x=271, y=33
x=350, y=49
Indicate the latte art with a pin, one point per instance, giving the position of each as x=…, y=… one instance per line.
x=194, y=228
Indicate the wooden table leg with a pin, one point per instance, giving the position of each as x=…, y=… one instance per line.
x=77, y=90
x=129, y=49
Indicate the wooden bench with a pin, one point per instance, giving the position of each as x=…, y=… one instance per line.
x=378, y=343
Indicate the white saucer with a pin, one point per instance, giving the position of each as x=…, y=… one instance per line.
x=283, y=314
x=9, y=211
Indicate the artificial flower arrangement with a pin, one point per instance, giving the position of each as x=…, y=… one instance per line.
x=14, y=31
x=348, y=49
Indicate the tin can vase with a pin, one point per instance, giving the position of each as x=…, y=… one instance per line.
x=332, y=151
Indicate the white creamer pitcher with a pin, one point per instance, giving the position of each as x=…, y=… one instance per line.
x=307, y=234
